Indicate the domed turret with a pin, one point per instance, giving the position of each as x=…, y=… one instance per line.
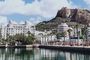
x=9, y=22
x=28, y=23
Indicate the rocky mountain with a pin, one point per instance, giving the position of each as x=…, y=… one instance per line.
x=70, y=16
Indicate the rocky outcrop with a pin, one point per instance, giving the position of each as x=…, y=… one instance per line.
x=65, y=14
x=76, y=15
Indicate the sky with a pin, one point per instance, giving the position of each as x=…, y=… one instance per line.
x=36, y=11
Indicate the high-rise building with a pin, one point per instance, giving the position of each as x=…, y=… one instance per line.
x=14, y=28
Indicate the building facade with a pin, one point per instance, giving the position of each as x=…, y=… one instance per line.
x=74, y=33
x=88, y=32
x=14, y=28
x=45, y=36
x=62, y=27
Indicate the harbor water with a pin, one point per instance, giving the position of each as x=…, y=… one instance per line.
x=40, y=54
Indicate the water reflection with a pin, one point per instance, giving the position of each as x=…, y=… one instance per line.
x=39, y=54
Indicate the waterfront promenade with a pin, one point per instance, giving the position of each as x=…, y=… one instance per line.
x=19, y=46
x=82, y=49
x=69, y=48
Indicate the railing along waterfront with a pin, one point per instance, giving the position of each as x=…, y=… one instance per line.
x=72, y=43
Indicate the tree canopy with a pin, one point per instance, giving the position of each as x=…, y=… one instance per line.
x=23, y=39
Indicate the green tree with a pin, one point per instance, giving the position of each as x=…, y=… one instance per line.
x=30, y=39
x=20, y=38
x=69, y=31
x=58, y=35
x=28, y=33
x=77, y=26
x=64, y=34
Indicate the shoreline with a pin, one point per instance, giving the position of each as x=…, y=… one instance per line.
x=19, y=46
x=79, y=49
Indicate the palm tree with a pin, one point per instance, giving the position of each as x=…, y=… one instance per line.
x=74, y=30
x=51, y=35
x=84, y=33
x=7, y=38
x=64, y=35
x=0, y=36
x=28, y=33
x=41, y=37
x=45, y=36
x=77, y=26
x=69, y=31
x=58, y=35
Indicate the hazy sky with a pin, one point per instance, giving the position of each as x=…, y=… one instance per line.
x=35, y=10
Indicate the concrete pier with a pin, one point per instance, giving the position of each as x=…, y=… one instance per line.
x=19, y=46
x=82, y=49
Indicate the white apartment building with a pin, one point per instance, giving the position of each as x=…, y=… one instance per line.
x=45, y=36
x=15, y=28
x=63, y=27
